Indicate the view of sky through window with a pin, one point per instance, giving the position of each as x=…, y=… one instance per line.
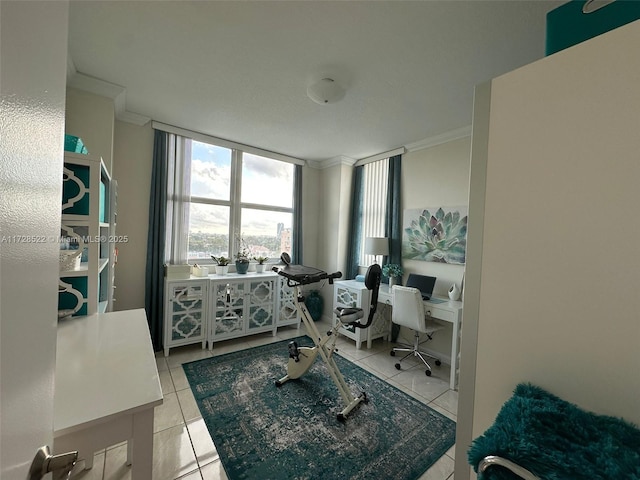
x=265, y=200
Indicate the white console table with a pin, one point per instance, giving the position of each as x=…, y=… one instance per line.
x=107, y=386
x=445, y=310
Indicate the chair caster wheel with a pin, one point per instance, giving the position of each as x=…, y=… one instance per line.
x=438, y=362
x=365, y=399
x=278, y=383
x=427, y=373
x=397, y=366
x=392, y=353
x=341, y=418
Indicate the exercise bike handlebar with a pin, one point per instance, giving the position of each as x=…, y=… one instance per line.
x=301, y=275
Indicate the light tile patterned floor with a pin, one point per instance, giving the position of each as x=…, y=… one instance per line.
x=182, y=447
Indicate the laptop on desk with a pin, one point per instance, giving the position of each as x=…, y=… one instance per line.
x=423, y=283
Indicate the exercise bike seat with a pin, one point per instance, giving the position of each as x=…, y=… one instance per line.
x=349, y=315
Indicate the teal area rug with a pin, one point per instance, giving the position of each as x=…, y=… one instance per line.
x=291, y=432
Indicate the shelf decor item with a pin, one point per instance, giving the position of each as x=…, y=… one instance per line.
x=454, y=292
x=243, y=256
x=222, y=264
x=260, y=266
x=393, y=271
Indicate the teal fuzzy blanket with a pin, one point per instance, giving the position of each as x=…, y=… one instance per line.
x=556, y=440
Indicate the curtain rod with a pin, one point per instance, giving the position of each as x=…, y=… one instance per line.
x=380, y=156
x=221, y=142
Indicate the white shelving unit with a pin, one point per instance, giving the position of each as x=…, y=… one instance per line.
x=88, y=223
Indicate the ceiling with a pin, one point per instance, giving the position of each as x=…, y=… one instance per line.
x=239, y=70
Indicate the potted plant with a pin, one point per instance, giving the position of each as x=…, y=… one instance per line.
x=393, y=271
x=222, y=266
x=242, y=256
x=260, y=265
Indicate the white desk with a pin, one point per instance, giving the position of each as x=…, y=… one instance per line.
x=448, y=311
x=106, y=387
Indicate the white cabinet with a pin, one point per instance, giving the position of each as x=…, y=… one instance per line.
x=185, y=313
x=220, y=307
x=349, y=293
x=88, y=229
x=287, y=313
x=241, y=307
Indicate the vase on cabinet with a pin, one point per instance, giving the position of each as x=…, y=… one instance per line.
x=242, y=267
x=454, y=292
x=393, y=281
x=260, y=267
x=222, y=269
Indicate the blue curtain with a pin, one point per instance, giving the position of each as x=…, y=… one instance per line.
x=393, y=220
x=296, y=248
x=355, y=231
x=393, y=223
x=154, y=278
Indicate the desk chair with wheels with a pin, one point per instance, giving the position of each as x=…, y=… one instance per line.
x=408, y=311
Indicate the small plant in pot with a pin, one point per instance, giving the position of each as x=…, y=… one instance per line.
x=243, y=256
x=393, y=271
x=222, y=264
x=260, y=266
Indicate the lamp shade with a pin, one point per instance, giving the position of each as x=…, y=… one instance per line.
x=324, y=91
x=376, y=246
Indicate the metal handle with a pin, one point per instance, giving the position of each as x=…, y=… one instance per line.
x=60, y=465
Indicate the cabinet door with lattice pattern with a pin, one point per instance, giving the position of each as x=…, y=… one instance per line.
x=185, y=313
x=229, y=300
x=261, y=302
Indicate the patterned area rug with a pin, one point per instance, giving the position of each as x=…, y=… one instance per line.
x=291, y=432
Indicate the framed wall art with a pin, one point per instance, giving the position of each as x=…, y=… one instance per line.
x=435, y=234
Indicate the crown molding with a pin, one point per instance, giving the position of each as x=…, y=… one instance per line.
x=439, y=139
x=317, y=164
x=332, y=162
x=101, y=88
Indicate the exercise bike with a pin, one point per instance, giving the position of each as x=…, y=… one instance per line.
x=301, y=358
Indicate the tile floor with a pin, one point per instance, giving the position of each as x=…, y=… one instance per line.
x=182, y=447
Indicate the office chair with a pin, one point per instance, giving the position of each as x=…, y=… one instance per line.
x=408, y=311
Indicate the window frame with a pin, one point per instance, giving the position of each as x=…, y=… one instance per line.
x=234, y=203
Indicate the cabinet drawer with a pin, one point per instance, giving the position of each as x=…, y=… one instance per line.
x=440, y=313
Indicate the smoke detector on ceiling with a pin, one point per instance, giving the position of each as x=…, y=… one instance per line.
x=325, y=91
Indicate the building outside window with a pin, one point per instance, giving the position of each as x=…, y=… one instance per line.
x=231, y=196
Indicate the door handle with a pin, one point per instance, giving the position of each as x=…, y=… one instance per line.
x=60, y=465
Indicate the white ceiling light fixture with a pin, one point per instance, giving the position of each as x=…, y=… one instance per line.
x=325, y=91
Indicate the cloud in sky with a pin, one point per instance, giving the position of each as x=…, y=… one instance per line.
x=264, y=182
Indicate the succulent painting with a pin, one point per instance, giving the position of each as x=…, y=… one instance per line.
x=438, y=237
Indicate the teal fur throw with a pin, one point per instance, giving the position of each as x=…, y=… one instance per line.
x=556, y=440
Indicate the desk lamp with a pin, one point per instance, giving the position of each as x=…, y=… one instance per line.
x=376, y=246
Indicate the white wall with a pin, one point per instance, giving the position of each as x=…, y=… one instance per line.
x=552, y=298
x=437, y=177
x=91, y=117
x=333, y=213
x=132, y=159
x=310, y=214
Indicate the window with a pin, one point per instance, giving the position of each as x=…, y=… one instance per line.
x=230, y=194
x=238, y=194
x=374, y=203
x=235, y=194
